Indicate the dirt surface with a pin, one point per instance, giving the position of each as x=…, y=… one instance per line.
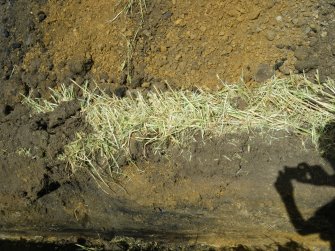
x=185, y=42
x=226, y=192
x=220, y=192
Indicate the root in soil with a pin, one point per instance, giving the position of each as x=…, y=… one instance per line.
x=128, y=7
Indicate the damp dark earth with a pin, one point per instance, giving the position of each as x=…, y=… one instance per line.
x=243, y=190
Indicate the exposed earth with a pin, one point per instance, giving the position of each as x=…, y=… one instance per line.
x=221, y=193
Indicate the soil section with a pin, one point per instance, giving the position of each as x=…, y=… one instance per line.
x=222, y=192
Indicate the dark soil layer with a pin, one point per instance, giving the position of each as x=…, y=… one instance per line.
x=24, y=245
x=227, y=192
x=220, y=192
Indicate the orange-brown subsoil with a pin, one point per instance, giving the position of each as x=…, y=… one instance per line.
x=187, y=43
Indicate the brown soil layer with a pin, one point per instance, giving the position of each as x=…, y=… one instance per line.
x=188, y=43
x=227, y=192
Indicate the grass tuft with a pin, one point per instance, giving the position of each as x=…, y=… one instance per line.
x=293, y=104
x=38, y=105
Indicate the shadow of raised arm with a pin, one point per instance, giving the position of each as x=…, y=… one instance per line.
x=285, y=189
x=323, y=221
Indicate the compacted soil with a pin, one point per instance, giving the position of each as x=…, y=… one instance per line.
x=224, y=192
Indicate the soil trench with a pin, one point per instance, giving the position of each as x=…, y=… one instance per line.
x=238, y=192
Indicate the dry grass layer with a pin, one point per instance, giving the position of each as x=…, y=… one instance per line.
x=293, y=104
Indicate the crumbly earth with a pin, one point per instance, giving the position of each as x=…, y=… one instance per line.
x=224, y=192
x=186, y=43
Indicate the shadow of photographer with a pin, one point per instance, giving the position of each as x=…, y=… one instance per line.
x=323, y=220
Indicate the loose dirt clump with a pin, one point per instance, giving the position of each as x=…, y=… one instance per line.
x=28, y=157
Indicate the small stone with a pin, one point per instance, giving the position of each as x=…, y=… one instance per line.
x=307, y=30
x=76, y=66
x=147, y=33
x=41, y=16
x=16, y=45
x=167, y=15
x=313, y=41
x=254, y=15
x=295, y=21
x=80, y=66
x=298, y=22
x=284, y=69
x=132, y=93
x=263, y=73
x=122, y=160
x=279, y=18
x=279, y=63
x=145, y=85
x=324, y=34
x=270, y=35
x=120, y=91
x=80, y=80
x=123, y=78
x=88, y=63
x=291, y=47
x=29, y=40
x=135, y=147
x=159, y=86
x=129, y=33
x=5, y=109
x=178, y=21
x=301, y=53
x=270, y=4
x=163, y=48
x=177, y=57
x=314, y=28
x=306, y=65
x=5, y=33
x=136, y=81
x=104, y=76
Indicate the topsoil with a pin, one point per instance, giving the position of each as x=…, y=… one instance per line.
x=225, y=192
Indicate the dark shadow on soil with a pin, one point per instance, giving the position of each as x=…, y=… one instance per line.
x=323, y=220
x=29, y=246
